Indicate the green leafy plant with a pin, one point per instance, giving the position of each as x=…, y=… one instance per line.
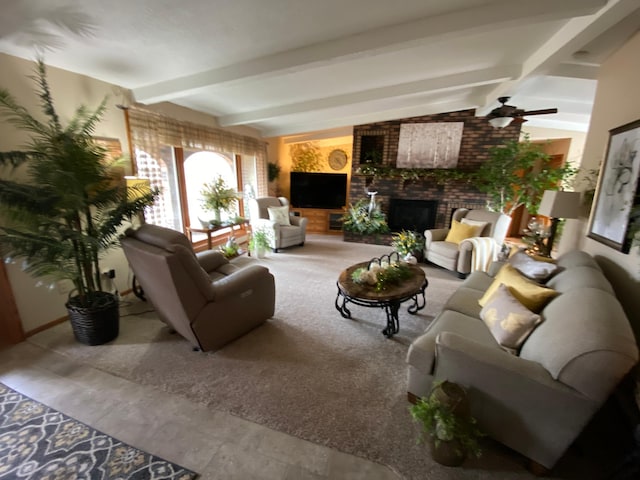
x=68, y=204
x=230, y=250
x=447, y=421
x=218, y=197
x=359, y=219
x=407, y=241
x=260, y=239
x=273, y=171
x=517, y=173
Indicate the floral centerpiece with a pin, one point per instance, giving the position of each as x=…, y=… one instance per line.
x=407, y=243
x=382, y=273
x=218, y=197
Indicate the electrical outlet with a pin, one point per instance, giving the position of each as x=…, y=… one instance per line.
x=112, y=273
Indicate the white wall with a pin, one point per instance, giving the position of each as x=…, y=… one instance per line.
x=616, y=103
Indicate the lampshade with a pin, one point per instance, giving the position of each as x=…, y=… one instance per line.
x=137, y=187
x=560, y=204
x=500, y=122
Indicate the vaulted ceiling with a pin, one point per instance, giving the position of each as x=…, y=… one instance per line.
x=287, y=67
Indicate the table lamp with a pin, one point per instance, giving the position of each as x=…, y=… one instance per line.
x=557, y=204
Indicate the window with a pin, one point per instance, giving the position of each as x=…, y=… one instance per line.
x=179, y=157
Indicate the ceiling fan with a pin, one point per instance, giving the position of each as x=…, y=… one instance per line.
x=503, y=115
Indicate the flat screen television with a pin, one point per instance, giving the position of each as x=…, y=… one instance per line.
x=318, y=190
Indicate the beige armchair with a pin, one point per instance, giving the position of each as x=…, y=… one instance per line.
x=204, y=297
x=470, y=254
x=273, y=215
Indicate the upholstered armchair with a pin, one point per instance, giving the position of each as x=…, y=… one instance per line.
x=471, y=244
x=204, y=297
x=272, y=214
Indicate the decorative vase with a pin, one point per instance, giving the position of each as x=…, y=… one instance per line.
x=410, y=259
x=448, y=453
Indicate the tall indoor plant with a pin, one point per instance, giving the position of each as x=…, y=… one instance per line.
x=63, y=204
x=517, y=173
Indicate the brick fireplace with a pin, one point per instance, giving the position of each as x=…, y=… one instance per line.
x=382, y=137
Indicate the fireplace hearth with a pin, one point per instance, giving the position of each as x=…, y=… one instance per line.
x=414, y=215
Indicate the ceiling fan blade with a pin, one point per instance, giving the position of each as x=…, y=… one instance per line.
x=540, y=112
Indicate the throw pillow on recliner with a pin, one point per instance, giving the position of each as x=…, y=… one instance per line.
x=279, y=215
x=461, y=231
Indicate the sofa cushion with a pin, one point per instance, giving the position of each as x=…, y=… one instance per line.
x=580, y=277
x=421, y=353
x=465, y=300
x=461, y=231
x=537, y=270
x=478, y=280
x=508, y=320
x=529, y=293
x=577, y=258
x=585, y=341
x=279, y=215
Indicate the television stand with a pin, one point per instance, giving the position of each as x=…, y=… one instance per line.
x=321, y=220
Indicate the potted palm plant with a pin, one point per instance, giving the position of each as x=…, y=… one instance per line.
x=63, y=205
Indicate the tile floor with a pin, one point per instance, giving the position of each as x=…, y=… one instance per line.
x=214, y=444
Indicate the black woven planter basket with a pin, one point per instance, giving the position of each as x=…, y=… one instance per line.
x=97, y=324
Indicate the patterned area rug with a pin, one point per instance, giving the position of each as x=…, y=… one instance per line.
x=38, y=442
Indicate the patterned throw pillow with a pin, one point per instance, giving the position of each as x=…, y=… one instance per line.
x=461, y=231
x=509, y=321
x=529, y=293
x=279, y=215
x=537, y=270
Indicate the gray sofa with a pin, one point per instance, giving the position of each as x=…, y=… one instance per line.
x=538, y=399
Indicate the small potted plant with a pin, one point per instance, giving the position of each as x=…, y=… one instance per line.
x=408, y=244
x=447, y=424
x=217, y=197
x=260, y=242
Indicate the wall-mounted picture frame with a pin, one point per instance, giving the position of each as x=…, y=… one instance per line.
x=617, y=192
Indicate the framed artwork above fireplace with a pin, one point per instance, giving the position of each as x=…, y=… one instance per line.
x=429, y=145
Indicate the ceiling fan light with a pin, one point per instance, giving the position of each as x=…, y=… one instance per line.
x=500, y=122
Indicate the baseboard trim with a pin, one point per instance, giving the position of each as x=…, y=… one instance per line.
x=46, y=326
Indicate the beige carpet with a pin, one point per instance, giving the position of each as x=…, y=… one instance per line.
x=308, y=371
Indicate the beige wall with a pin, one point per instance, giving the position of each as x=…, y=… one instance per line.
x=39, y=305
x=616, y=104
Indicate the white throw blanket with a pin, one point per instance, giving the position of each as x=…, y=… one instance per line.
x=485, y=250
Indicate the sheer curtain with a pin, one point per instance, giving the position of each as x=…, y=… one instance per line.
x=151, y=133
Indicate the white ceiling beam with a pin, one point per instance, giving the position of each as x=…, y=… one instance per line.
x=432, y=85
x=575, y=70
x=362, y=118
x=468, y=21
x=576, y=33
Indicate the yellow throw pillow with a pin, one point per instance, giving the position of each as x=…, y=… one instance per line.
x=527, y=292
x=462, y=231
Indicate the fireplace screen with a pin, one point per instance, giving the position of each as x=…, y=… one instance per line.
x=414, y=215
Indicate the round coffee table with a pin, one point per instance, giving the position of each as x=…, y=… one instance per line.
x=389, y=299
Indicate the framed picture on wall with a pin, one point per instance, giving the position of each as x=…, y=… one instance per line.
x=618, y=188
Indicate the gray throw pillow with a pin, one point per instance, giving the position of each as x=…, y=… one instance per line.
x=509, y=321
x=537, y=270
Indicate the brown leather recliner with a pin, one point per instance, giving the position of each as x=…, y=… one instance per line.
x=204, y=297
